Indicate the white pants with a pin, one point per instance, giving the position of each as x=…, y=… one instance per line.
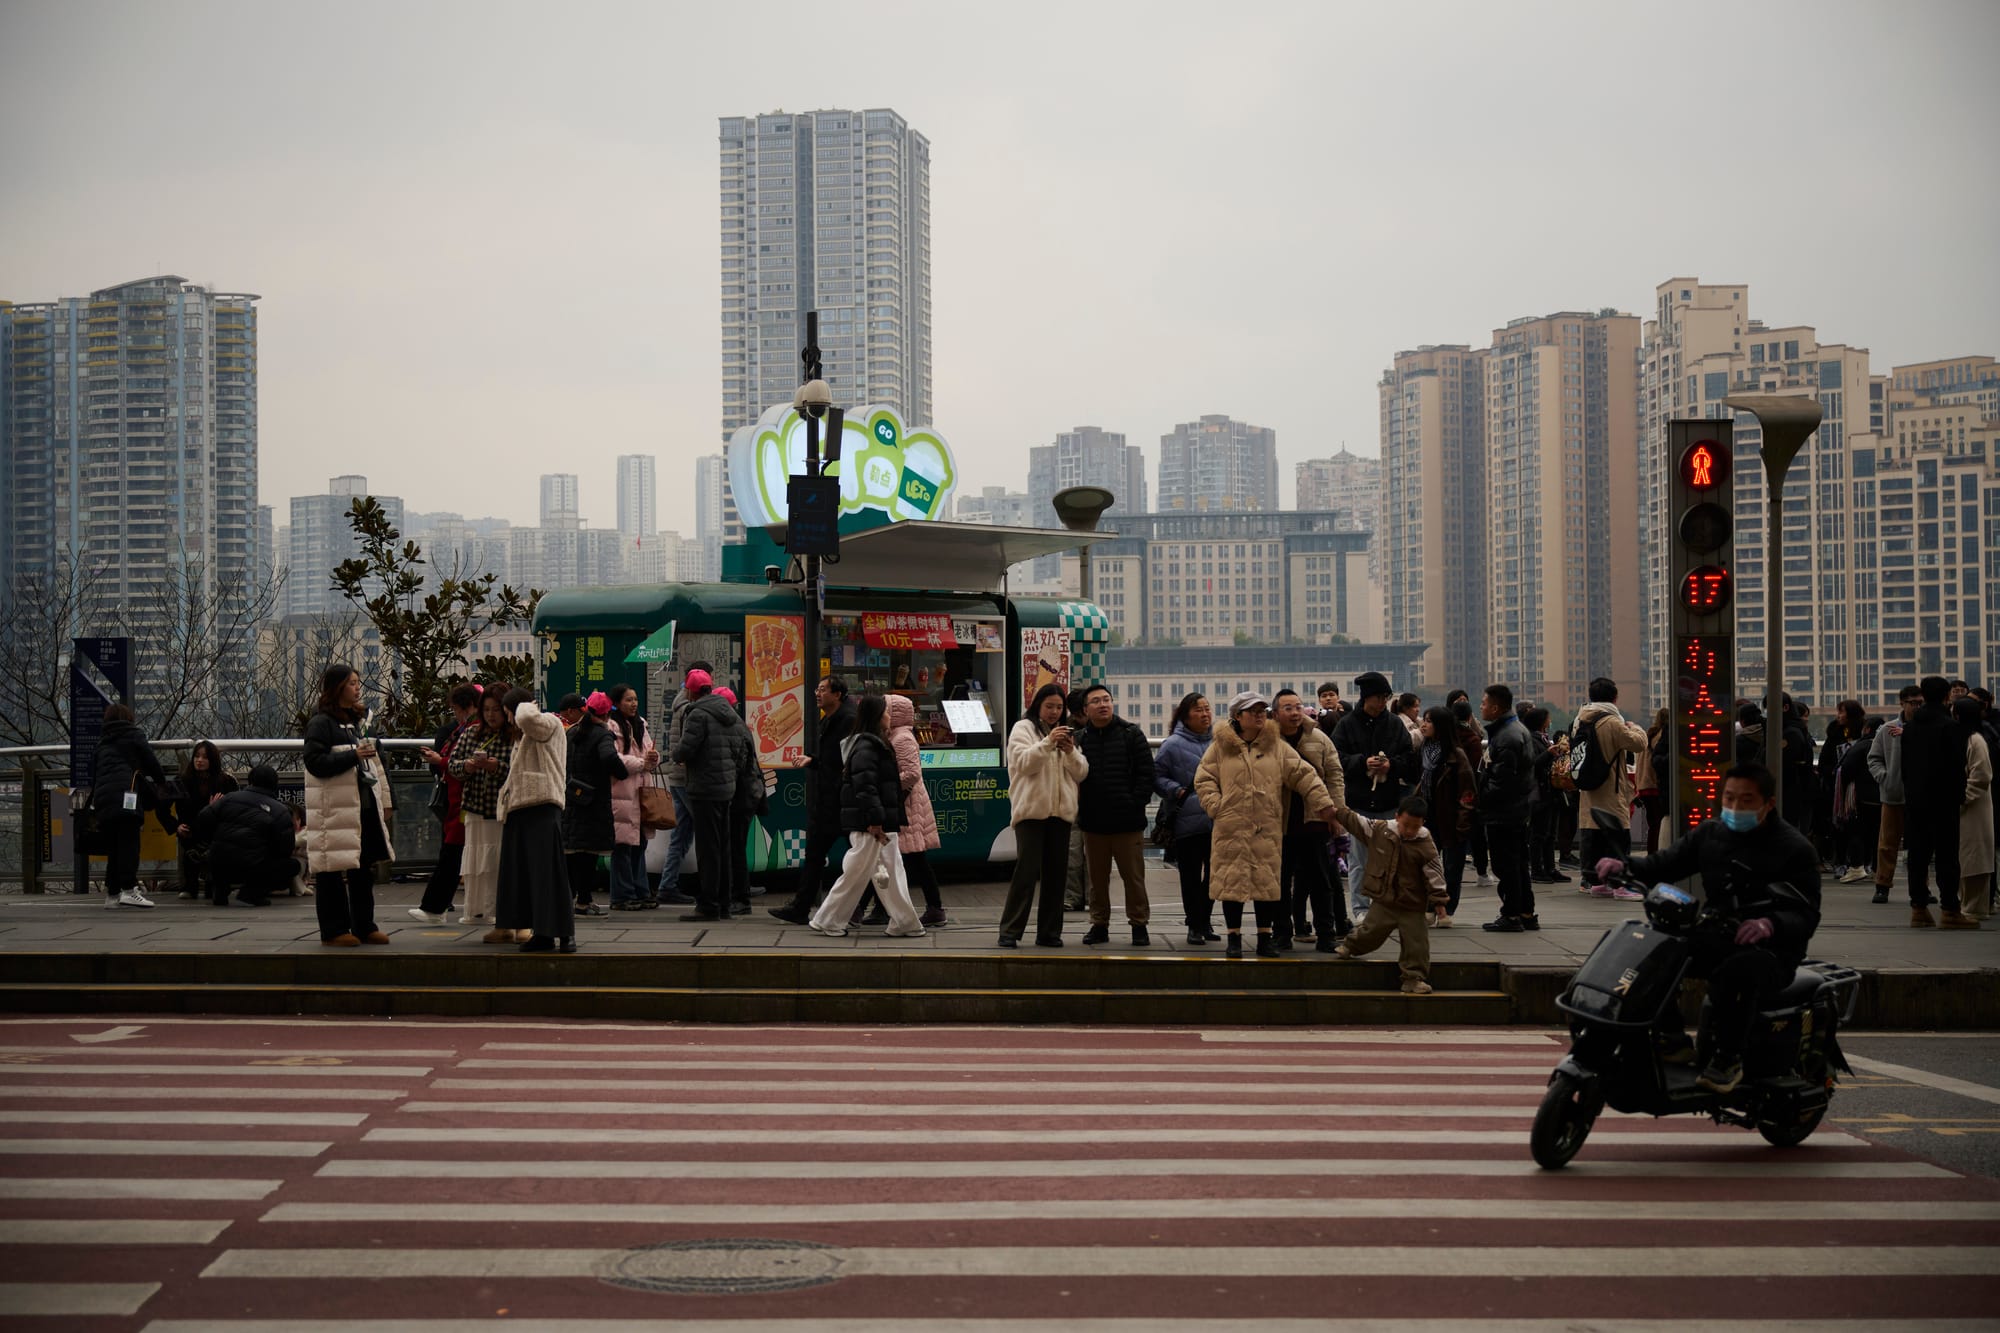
x=482, y=866
x=857, y=870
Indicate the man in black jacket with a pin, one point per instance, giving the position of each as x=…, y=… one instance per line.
x=1506, y=798
x=1743, y=857
x=1380, y=765
x=1933, y=791
x=1111, y=810
x=249, y=838
x=712, y=742
x=836, y=723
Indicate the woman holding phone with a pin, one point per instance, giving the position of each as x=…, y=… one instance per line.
x=347, y=833
x=1044, y=768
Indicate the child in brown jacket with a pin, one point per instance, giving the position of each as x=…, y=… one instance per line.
x=1404, y=885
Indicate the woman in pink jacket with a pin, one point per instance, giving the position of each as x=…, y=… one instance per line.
x=630, y=889
x=920, y=830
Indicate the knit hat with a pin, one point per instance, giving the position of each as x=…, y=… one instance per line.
x=1371, y=683
x=599, y=703
x=699, y=681
x=727, y=696
x=1247, y=700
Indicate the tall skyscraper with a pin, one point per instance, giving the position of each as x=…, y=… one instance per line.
x=638, y=496
x=560, y=507
x=1218, y=463
x=1347, y=481
x=1433, y=535
x=826, y=211
x=711, y=529
x=1086, y=456
x=321, y=537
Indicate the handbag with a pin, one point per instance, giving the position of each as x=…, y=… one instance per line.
x=440, y=802
x=656, y=807
x=1164, y=821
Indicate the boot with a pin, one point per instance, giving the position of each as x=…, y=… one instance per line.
x=1266, y=946
x=1235, y=947
x=1921, y=917
x=1957, y=921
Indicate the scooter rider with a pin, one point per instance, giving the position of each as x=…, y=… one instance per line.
x=1740, y=857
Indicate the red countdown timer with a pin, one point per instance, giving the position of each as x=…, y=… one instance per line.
x=1706, y=589
x=1704, y=466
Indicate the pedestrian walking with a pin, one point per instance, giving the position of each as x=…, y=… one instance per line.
x=534, y=893
x=593, y=766
x=1975, y=818
x=248, y=835
x=1934, y=780
x=1606, y=743
x=1450, y=793
x=1303, y=880
x=836, y=723
x=1111, y=806
x=1506, y=795
x=1379, y=763
x=1044, y=769
x=871, y=812
x=1244, y=781
x=630, y=889
x=442, y=886
x=1173, y=778
x=1885, y=764
x=125, y=784
x=348, y=807
x=920, y=828
x=681, y=837
x=711, y=744
x=480, y=760
x=1405, y=889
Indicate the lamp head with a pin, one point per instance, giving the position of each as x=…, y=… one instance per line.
x=1079, y=507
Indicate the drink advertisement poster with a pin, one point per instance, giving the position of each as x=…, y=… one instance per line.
x=774, y=688
x=1044, y=661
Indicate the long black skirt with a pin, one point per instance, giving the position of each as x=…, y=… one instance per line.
x=533, y=892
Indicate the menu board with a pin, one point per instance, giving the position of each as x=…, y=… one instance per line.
x=774, y=688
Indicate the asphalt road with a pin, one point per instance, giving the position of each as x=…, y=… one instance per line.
x=1937, y=1096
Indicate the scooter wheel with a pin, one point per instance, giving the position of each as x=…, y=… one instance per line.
x=1562, y=1123
x=1793, y=1134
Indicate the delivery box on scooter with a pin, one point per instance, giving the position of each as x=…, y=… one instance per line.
x=1632, y=974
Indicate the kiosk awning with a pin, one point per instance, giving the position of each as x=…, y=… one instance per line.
x=956, y=557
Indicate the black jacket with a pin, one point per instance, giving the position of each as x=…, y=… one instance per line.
x=823, y=770
x=1507, y=775
x=712, y=743
x=1854, y=769
x=186, y=806
x=249, y=838
x=126, y=762
x=871, y=792
x=1737, y=871
x=1359, y=738
x=1113, y=796
x=1933, y=761
x=593, y=766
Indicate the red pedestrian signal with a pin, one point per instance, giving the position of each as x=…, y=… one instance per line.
x=1704, y=466
x=1701, y=557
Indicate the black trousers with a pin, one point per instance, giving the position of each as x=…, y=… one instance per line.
x=1507, y=844
x=120, y=833
x=1232, y=915
x=1541, y=835
x=1451, y=859
x=1741, y=978
x=1566, y=824
x=1304, y=882
x=443, y=883
x=1191, y=859
x=739, y=856
x=1043, y=846
x=582, y=868
x=1863, y=831
x=345, y=902
x=918, y=871
x=1930, y=836
x=711, y=849
x=1476, y=846
x=1599, y=843
x=813, y=876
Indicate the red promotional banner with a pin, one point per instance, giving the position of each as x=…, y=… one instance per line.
x=908, y=631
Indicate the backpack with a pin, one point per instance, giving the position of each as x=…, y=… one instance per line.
x=1588, y=768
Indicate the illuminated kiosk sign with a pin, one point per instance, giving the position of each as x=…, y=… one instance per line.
x=905, y=472
x=1703, y=589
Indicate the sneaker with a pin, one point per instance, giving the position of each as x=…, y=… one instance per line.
x=134, y=898
x=1416, y=987
x=831, y=932
x=1530, y=922
x=1442, y=921
x=1853, y=876
x=428, y=918
x=1625, y=895
x=1597, y=890
x=185, y=895
x=1097, y=935
x=1722, y=1075
x=1010, y=941
x=1881, y=895
x=1196, y=939
x=934, y=917
x=789, y=916
x=913, y=933
x=1557, y=877
x=1485, y=878
x=1142, y=938
x=1920, y=917
x=1506, y=925
x=1048, y=941
x=591, y=909
x=1342, y=952
x=1303, y=935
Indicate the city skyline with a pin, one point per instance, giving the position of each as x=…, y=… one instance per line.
x=1051, y=307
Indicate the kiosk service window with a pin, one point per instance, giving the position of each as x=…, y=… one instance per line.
x=932, y=659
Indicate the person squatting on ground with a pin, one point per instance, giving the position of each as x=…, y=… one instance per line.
x=348, y=805
x=534, y=891
x=200, y=783
x=1405, y=888
x=1111, y=810
x=1173, y=778
x=1245, y=781
x=1044, y=770
x=125, y=775
x=248, y=835
x=1305, y=879
x=871, y=812
x=480, y=761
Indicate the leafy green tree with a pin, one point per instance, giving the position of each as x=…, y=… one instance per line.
x=425, y=634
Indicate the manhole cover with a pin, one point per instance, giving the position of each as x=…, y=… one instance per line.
x=727, y=1267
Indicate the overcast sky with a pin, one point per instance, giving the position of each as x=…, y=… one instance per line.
x=486, y=235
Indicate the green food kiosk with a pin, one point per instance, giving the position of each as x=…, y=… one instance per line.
x=919, y=609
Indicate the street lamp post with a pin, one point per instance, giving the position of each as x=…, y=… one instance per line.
x=812, y=504
x=1787, y=420
x=1079, y=508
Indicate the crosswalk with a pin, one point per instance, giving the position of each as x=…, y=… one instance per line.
x=431, y=1177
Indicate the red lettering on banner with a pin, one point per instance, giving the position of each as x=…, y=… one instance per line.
x=907, y=633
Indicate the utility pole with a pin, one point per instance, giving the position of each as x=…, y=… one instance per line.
x=812, y=505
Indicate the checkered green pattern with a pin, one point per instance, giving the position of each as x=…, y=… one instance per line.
x=1084, y=620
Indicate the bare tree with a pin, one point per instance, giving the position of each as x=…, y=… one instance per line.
x=194, y=639
x=43, y=612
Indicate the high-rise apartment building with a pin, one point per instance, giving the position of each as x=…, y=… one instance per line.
x=1347, y=481
x=1433, y=533
x=128, y=441
x=1002, y=508
x=1561, y=560
x=638, y=496
x=1218, y=463
x=1086, y=456
x=321, y=537
x=715, y=520
x=560, y=507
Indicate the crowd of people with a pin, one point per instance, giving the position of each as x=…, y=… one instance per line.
x=1340, y=824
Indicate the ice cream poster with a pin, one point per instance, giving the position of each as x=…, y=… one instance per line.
x=774, y=688
x=1044, y=661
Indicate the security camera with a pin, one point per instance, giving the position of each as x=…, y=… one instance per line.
x=812, y=399
x=773, y=574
